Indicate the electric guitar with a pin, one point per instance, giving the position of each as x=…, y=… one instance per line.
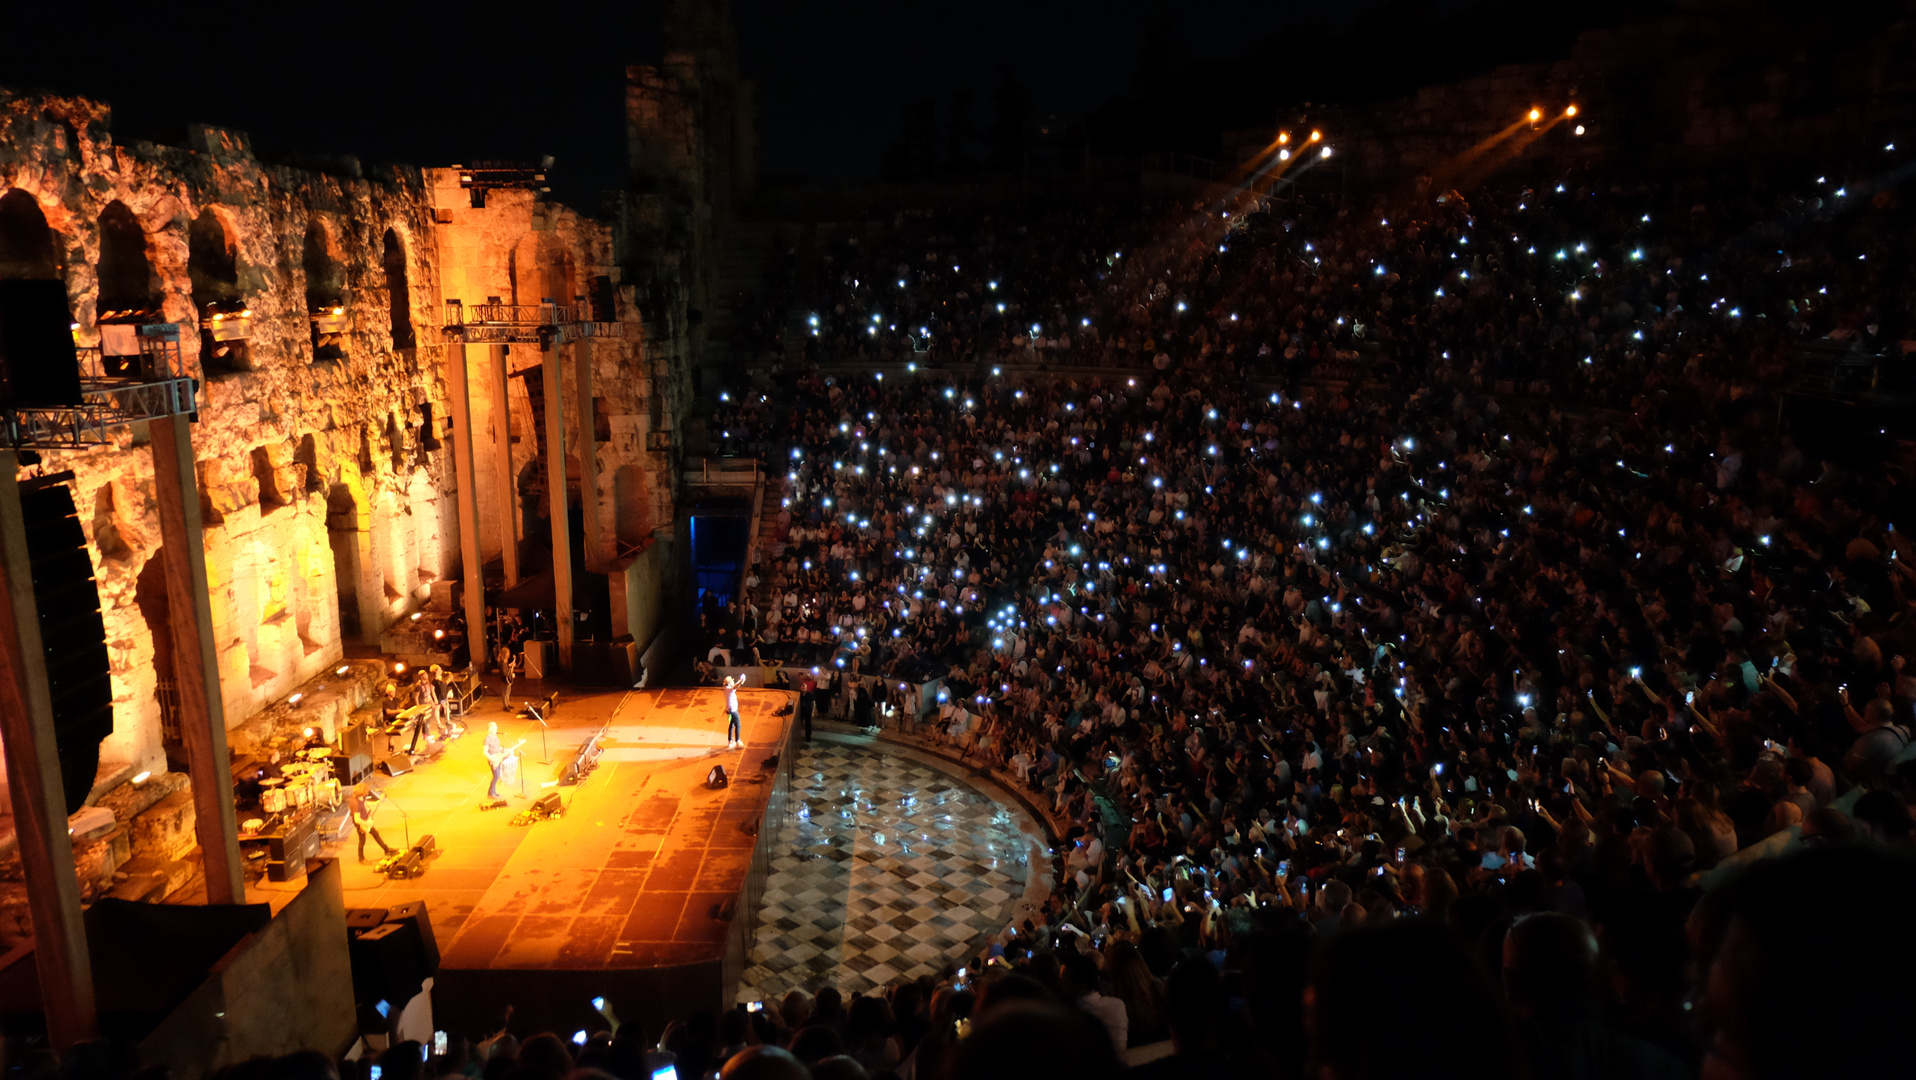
x=504, y=753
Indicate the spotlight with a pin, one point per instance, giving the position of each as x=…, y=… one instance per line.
x=293, y=700
x=1316, y=135
x=142, y=778
x=1536, y=115
x=342, y=669
x=399, y=667
x=1571, y=111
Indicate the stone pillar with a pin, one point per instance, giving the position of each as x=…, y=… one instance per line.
x=555, y=492
x=195, y=659
x=595, y=553
x=465, y=479
x=502, y=451
x=38, y=795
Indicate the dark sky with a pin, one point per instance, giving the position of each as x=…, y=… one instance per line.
x=440, y=83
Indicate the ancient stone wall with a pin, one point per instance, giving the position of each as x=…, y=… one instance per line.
x=315, y=478
x=327, y=483
x=525, y=251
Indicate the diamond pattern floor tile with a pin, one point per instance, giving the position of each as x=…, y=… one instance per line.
x=884, y=869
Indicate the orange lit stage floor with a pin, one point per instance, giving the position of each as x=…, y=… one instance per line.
x=640, y=875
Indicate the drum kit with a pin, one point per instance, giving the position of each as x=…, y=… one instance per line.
x=306, y=782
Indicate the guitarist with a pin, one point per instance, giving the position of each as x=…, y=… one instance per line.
x=496, y=754
x=362, y=807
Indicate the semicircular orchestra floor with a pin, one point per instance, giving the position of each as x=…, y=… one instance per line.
x=884, y=869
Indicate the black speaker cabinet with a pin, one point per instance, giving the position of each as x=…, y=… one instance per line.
x=414, y=914
x=72, y=633
x=387, y=963
x=38, y=365
x=364, y=918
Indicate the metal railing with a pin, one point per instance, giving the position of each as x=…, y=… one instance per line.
x=508, y=324
x=115, y=391
x=724, y=471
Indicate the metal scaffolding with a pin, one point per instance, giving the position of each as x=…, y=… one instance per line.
x=115, y=391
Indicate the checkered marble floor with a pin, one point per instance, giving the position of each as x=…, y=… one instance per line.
x=884, y=869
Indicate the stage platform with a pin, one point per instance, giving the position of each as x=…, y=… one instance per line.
x=643, y=892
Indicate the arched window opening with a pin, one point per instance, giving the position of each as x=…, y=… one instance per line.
x=225, y=322
x=325, y=294
x=26, y=243
x=126, y=276
x=398, y=293
x=127, y=297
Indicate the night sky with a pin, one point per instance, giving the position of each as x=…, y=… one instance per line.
x=401, y=81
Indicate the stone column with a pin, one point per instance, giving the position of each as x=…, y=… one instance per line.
x=38, y=795
x=473, y=588
x=502, y=451
x=195, y=658
x=595, y=553
x=555, y=492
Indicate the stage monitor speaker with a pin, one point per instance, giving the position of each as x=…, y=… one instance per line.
x=548, y=805
x=716, y=778
x=395, y=764
x=387, y=963
x=350, y=769
x=363, y=918
x=38, y=365
x=72, y=633
x=414, y=914
x=353, y=738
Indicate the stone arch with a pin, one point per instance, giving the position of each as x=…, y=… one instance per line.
x=156, y=611
x=212, y=267
x=26, y=242
x=325, y=276
x=539, y=270
x=356, y=578
x=306, y=456
x=398, y=292
x=212, y=261
x=127, y=281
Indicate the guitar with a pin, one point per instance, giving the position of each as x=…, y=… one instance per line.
x=504, y=753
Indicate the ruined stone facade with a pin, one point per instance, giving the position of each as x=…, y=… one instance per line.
x=327, y=482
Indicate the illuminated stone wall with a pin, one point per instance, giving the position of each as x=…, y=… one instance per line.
x=524, y=251
x=328, y=503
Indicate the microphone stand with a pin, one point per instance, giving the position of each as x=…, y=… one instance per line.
x=404, y=818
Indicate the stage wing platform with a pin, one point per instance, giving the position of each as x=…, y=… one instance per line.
x=642, y=892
